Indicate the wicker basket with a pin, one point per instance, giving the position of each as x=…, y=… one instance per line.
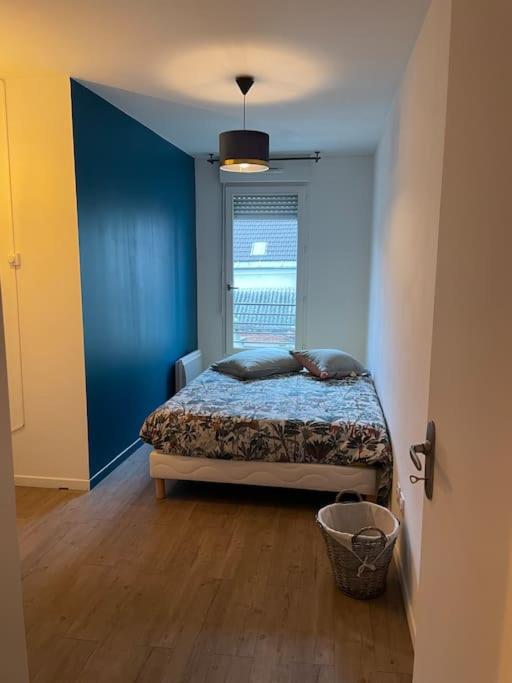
x=359, y=559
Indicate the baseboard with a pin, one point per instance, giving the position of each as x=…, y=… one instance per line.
x=52, y=482
x=411, y=622
x=117, y=460
x=77, y=484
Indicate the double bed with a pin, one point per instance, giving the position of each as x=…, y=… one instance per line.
x=290, y=430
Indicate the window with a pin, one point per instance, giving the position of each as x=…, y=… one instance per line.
x=262, y=268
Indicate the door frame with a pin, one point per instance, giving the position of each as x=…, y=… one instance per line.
x=230, y=191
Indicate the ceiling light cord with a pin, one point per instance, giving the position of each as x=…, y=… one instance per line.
x=244, y=111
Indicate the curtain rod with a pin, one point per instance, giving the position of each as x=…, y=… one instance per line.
x=316, y=158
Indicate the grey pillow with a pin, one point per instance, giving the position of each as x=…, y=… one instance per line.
x=328, y=363
x=257, y=363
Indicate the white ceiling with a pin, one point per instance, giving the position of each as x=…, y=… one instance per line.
x=325, y=70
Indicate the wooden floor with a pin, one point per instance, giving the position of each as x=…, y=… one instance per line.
x=215, y=583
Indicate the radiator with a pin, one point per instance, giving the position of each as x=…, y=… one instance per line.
x=188, y=368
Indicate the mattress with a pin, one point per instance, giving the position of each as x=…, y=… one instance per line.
x=294, y=418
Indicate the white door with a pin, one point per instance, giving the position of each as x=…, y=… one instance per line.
x=464, y=629
x=264, y=281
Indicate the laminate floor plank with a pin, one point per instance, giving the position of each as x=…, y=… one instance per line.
x=64, y=660
x=383, y=677
x=389, y=628
x=156, y=667
x=115, y=664
x=215, y=583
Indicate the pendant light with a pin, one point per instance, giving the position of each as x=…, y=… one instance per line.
x=244, y=151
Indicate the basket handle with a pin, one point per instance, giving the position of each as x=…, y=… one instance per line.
x=383, y=537
x=349, y=496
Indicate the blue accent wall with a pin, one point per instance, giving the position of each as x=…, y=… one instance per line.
x=136, y=219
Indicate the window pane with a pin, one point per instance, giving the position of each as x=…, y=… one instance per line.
x=265, y=233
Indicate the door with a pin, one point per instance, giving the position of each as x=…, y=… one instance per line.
x=264, y=287
x=464, y=630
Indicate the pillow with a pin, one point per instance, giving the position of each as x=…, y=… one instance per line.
x=257, y=363
x=328, y=363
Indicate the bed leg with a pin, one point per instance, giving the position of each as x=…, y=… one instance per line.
x=160, y=489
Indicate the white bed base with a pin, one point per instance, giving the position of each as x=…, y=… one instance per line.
x=260, y=473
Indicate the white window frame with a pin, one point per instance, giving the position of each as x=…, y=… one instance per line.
x=300, y=311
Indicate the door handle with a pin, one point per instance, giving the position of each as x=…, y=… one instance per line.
x=427, y=448
x=230, y=288
x=419, y=448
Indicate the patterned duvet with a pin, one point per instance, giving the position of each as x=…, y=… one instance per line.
x=284, y=418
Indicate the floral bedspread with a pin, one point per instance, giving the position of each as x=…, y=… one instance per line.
x=284, y=418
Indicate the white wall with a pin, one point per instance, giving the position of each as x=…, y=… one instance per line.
x=51, y=447
x=408, y=179
x=339, y=199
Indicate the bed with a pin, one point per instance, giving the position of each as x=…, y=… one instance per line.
x=288, y=430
